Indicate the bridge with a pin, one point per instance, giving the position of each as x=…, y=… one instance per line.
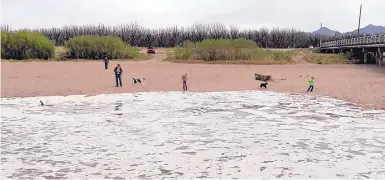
x=369, y=49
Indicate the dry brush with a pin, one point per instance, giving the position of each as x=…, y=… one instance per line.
x=236, y=50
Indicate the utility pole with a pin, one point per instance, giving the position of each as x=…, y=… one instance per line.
x=359, y=22
x=320, y=36
x=292, y=38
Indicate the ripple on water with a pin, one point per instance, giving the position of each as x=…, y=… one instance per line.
x=243, y=134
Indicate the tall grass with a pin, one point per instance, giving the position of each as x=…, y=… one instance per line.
x=98, y=47
x=228, y=49
x=322, y=58
x=318, y=58
x=26, y=45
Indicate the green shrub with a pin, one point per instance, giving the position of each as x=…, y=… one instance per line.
x=185, y=51
x=26, y=45
x=98, y=47
x=227, y=49
x=321, y=58
x=348, y=55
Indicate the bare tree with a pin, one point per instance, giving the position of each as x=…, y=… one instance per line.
x=199, y=32
x=234, y=32
x=149, y=38
x=137, y=35
x=5, y=28
x=217, y=31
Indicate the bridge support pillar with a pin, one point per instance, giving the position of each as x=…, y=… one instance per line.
x=380, y=58
x=365, y=51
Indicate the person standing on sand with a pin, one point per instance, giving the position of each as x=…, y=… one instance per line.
x=106, y=61
x=311, y=85
x=184, y=79
x=118, y=75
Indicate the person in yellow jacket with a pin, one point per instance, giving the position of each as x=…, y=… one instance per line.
x=311, y=85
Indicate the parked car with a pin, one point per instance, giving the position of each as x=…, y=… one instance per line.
x=150, y=50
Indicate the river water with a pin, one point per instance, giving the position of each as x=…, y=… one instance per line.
x=240, y=134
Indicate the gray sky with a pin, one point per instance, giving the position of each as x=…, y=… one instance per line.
x=341, y=15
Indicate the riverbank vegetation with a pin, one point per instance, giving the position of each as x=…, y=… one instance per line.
x=26, y=45
x=211, y=43
x=29, y=46
x=228, y=51
x=312, y=56
x=96, y=47
x=139, y=36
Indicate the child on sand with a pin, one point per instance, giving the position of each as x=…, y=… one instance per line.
x=184, y=79
x=311, y=85
x=106, y=61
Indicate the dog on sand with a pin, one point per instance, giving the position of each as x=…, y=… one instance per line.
x=263, y=85
x=138, y=80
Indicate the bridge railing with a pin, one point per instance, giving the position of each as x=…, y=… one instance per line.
x=367, y=40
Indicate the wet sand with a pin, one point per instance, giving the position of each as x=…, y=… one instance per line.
x=364, y=85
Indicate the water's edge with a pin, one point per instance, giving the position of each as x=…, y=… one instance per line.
x=179, y=92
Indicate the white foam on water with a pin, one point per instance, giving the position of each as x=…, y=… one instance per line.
x=240, y=134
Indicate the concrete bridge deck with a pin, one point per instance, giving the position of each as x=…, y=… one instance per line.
x=360, y=47
x=356, y=46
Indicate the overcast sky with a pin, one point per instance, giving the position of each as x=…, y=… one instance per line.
x=341, y=15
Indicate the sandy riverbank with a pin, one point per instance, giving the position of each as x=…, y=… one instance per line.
x=364, y=85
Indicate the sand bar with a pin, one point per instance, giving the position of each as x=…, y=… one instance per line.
x=364, y=85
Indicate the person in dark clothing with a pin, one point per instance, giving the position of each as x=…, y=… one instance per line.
x=106, y=61
x=118, y=75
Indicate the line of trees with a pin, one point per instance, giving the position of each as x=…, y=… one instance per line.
x=137, y=35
